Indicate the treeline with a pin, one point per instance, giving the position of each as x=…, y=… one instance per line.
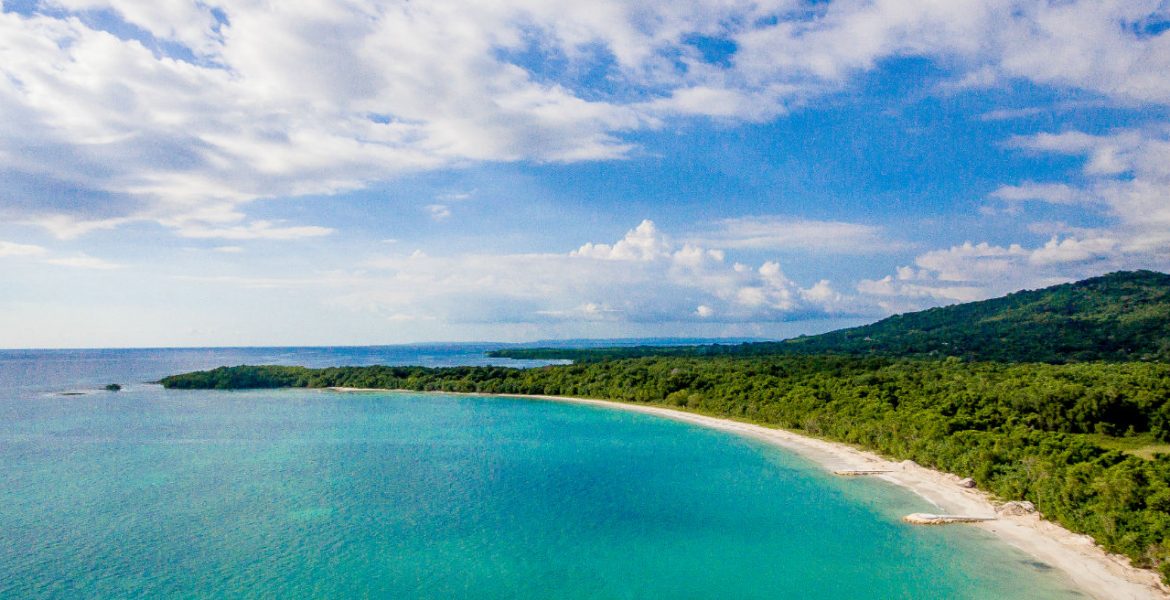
x=1013, y=428
x=745, y=349
x=1122, y=316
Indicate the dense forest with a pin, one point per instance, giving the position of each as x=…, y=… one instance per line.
x=1117, y=317
x=1074, y=429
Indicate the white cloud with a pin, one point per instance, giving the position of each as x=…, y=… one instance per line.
x=718, y=102
x=914, y=296
x=1052, y=193
x=1072, y=250
x=1007, y=114
x=787, y=233
x=1128, y=176
x=455, y=196
x=970, y=272
x=642, y=278
x=822, y=293
x=189, y=23
x=1107, y=155
x=438, y=212
x=66, y=228
x=589, y=311
x=13, y=249
x=83, y=261
x=255, y=230
x=80, y=261
x=643, y=243
x=218, y=106
x=1089, y=45
x=971, y=261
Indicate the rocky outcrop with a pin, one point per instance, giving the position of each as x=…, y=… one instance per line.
x=931, y=519
x=1016, y=509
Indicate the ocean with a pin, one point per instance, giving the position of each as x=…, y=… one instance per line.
x=150, y=493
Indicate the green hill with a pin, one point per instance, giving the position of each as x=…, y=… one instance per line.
x=1117, y=317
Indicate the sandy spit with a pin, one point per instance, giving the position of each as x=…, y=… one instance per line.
x=1095, y=572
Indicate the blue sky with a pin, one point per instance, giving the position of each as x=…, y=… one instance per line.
x=355, y=172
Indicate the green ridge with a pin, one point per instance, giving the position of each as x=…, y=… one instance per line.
x=1117, y=317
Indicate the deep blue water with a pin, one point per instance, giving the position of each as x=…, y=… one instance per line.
x=151, y=493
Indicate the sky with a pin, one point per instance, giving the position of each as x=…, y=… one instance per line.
x=334, y=172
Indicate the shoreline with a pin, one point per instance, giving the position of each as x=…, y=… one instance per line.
x=1089, y=567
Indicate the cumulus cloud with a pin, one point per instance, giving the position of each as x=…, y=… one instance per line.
x=643, y=243
x=961, y=273
x=1072, y=250
x=182, y=111
x=644, y=277
x=970, y=272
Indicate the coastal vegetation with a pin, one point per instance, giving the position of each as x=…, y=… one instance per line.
x=1080, y=431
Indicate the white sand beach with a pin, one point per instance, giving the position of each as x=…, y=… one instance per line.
x=1095, y=572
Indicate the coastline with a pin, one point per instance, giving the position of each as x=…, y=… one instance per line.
x=1092, y=570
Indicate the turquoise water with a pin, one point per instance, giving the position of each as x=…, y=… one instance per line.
x=289, y=494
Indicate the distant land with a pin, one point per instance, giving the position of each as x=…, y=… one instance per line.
x=1122, y=316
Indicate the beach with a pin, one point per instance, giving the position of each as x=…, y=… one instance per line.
x=1095, y=572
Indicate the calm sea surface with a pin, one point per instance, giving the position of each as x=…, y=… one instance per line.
x=148, y=493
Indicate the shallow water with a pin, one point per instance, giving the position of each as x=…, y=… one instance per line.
x=295, y=493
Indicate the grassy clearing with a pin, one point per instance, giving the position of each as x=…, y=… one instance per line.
x=1143, y=445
